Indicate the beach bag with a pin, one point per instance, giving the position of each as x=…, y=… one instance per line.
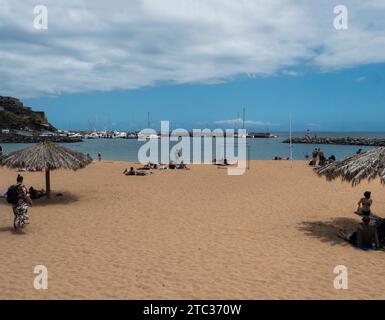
x=13, y=195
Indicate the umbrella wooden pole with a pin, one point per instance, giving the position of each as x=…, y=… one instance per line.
x=47, y=183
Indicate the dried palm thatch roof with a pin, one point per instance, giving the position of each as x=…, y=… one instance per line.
x=368, y=165
x=47, y=155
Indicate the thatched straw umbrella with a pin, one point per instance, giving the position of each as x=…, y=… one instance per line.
x=368, y=165
x=46, y=155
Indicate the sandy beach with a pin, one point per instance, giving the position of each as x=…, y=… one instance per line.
x=198, y=234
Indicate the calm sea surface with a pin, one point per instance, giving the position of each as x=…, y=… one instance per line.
x=258, y=149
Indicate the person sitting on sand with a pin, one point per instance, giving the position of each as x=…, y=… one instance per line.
x=36, y=194
x=365, y=237
x=364, y=204
x=321, y=157
x=172, y=165
x=182, y=166
x=130, y=172
x=148, y=166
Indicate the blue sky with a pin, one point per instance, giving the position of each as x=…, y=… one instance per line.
x=347, y=100
x=197, y=63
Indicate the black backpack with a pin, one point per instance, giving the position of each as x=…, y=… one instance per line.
x=13, y=194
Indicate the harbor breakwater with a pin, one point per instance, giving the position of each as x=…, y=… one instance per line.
x=376, y=142
x=35, y=139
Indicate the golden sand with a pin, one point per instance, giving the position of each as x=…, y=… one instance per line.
x=198, y=234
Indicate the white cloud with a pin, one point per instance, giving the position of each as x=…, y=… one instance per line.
x=291, y=73
x=94, y=45
x=361, y=79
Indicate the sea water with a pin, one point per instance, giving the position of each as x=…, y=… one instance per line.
x=257, y=148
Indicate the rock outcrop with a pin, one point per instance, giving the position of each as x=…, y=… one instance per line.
x=15, y=116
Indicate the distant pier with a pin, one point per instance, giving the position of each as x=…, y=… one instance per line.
x=35, y=139
x=376, y=142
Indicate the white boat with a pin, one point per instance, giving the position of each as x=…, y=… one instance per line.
x=92, y=135
x=142, y=135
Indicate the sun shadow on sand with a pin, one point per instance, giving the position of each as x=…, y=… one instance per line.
x=57, y=198
x=327, y=231
x=12, y=230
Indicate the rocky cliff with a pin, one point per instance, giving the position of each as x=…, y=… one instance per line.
x=14, y=115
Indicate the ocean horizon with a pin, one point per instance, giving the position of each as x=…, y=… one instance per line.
x=257, y=148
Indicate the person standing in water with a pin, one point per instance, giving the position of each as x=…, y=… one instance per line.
x=99, y=156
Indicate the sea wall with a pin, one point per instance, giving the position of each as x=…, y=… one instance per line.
x=35, y=139
x=339, y=140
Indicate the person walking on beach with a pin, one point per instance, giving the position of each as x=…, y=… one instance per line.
x=18, y=196
x=364, y=204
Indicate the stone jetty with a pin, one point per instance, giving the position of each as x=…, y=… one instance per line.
x=339, y=140
x=35, y=139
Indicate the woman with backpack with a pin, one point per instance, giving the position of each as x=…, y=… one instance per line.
x=18, y=196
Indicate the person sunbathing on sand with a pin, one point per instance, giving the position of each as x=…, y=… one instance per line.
x=133, y=172
x=365, y=237
x=172, y=165
x=130, y=172
x=364, y=204
x=143, y=173
x=149, y=166
x=182, y=166
x=36, y=194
